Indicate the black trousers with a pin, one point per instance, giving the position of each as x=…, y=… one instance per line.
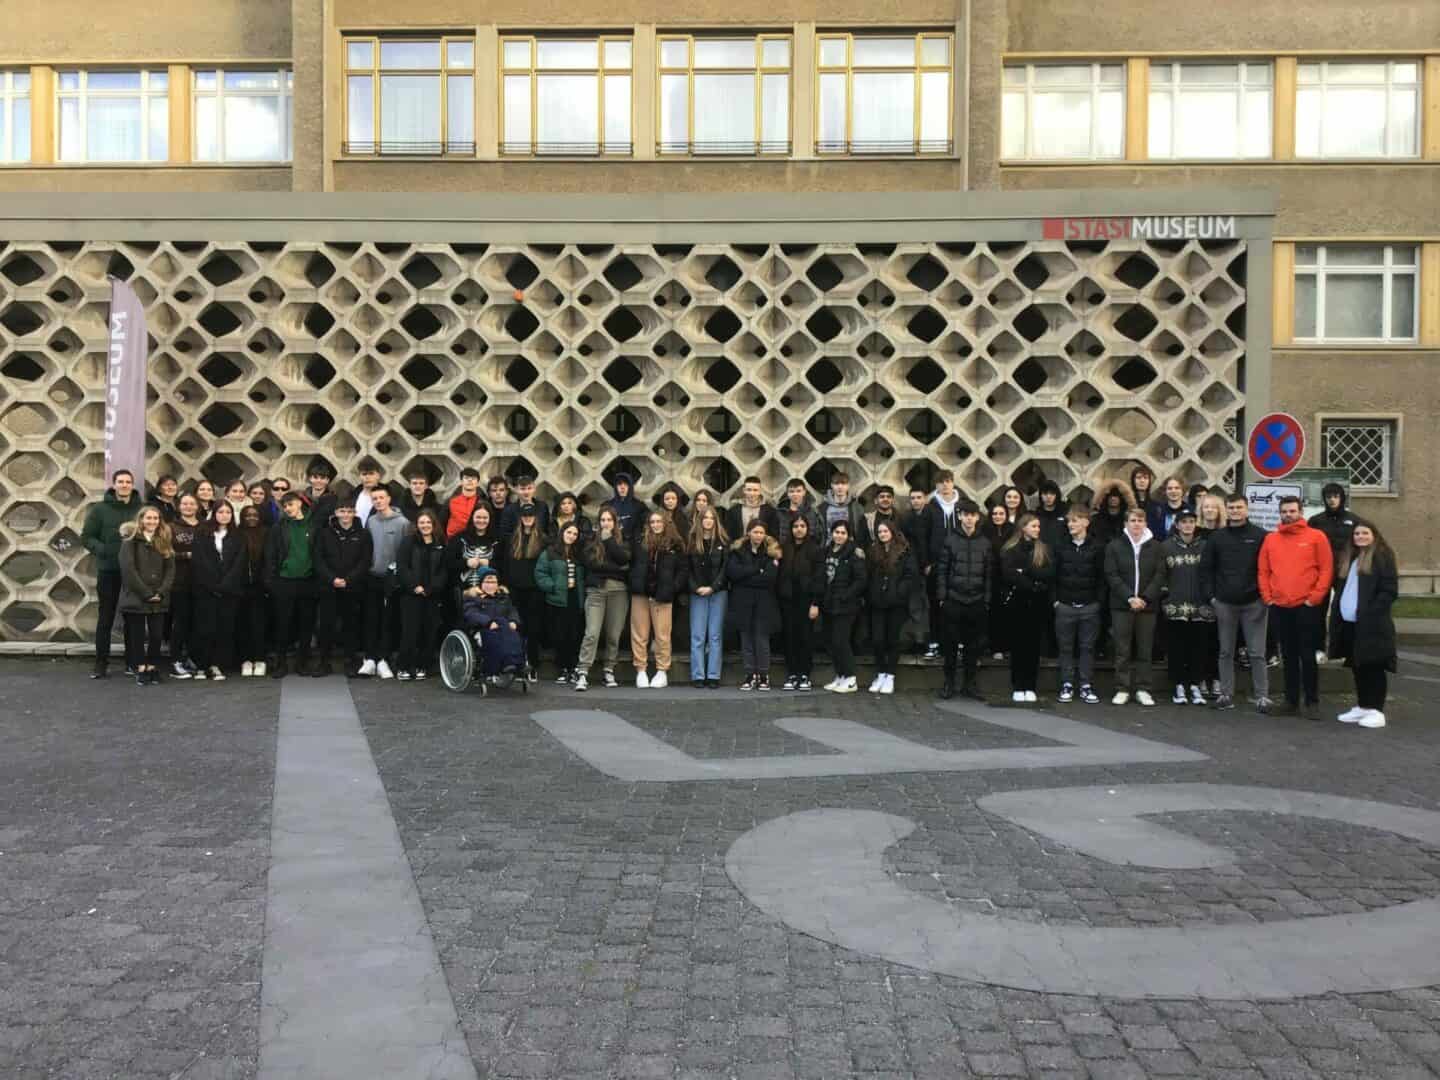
x=382, y=617
x=419, y=630
x=182, y=621
x=933, y=599
x=567, y=630
x=842, y=627
x=294, y=604
x=999, y=619
x=1298, y=631
x=1029, y=613
x=531, y=605
x=962, y=629
x=143, y=637
x=214, y=638
x=342, y=617
x=252, y=615
x=799, y=637
x=1371, y=680
x=885, y=626
x=1189, y=657
x=107, y=584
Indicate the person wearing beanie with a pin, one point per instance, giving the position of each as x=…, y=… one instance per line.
x=1185, y=600
x=492, y=614
x=524, y=496
x=628, y=509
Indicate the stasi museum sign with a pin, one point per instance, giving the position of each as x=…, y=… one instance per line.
x=1164, y=227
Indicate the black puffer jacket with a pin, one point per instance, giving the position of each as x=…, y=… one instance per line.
x=1079, y=571
x=660, y=576
x=964, y=575
x=1017, y=567
x=802, y=572
x=845, y=574
x=342, y=553
x=754, y=577
x=890, y=586
x=421, y=564
x=517, y=573
x=1230, y=563
x=707, y=566
x=1337, y=525
x=607, y=560
x=218, y=573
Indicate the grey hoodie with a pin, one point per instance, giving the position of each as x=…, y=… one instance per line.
x=385, y=537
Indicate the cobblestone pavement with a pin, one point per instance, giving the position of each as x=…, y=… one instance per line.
x=588, y=928
x=134, y=827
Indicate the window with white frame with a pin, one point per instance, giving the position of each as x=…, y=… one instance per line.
x=565, y=95
x=884, y=94
x=243, y=116
x=109, y=115
x=410, y=95
x=724, y=95
x=1356, y=292
x=1210, y=110
x=14, y=117
x=1063, y=112
x=1365, y=447
x=1367, y=109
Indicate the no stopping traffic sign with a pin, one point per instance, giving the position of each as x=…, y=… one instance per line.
x=1277, y=443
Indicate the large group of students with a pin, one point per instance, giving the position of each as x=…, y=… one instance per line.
x=263, y=578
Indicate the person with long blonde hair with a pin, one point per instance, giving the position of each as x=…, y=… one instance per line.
x=147, y=575
x=657, y=577
x=707, y=554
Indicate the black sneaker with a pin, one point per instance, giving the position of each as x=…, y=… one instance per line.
x=803, y=685
x=763, y=683
x=1088, y=695
x=790, y=683
x=278, y=670
x=100, y=671
x=712, y=684
x=749, y=683
x=697, y=684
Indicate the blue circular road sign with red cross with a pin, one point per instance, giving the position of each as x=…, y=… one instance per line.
x=1277, y=443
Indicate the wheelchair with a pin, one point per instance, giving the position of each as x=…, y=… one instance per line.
x=461, y=660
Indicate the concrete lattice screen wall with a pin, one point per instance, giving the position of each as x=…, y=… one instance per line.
x=700, y=363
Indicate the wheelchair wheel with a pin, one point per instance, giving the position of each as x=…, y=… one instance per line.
x=457, y=661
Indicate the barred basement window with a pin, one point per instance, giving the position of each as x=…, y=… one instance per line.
x=14, y=117
x=1356, y=292
x=884, y=95
x=1365, y=447
x=410, y=96
x=725, y=95
x=565, y=96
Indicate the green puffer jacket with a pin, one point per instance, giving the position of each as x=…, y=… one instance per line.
x=101, y=533
x=550, y=577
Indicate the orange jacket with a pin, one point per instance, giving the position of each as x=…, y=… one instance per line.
x=1296, y=566
x=461, y=508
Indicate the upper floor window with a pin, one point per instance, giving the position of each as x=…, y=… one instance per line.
x=1356, y=292
x=884, y=94
x=410, y=95
x=243, y=115
x=565, y=95
x=1063, y=112
x=725, y=95
x=108, y=115
x=1205, y=110
x=14, y=117
x=1357, y=110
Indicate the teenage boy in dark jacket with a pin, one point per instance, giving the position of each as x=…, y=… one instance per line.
x=320, y=497
x=962, y=578
x=100, y=536
x=290, y=580
x=1079, y=592
x=797, y=503
x=510, y=519
x=342, y=560
x=1133, y=577
x=421, y=497
x=939, y=517
x=1336, y=521
x=752, y=504
x=1051, y=511
x=916, y=527
x=840, y=505
x=1229, y=575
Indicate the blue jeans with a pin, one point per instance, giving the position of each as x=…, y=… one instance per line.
x=707, y=629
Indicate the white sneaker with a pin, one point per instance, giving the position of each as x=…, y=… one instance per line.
x=216, y=673
x=610, y=681
x=888, y=687
x=1018, y=697
x=1030, y=698
x=1350, y=716
x=846, y=685
x=1197, y=696
x=582, y=682
x=260, y=669
x=642, y=680
x=997, y=657
x=1122, y=697
x=383, y=670
x=367, y=669
x=660, y=681
x=1143, y=697
x=1373, y=718
x=876, y=683
x=247, y=669
x=833, y=685
x=1321, y=656
x=1178, y=698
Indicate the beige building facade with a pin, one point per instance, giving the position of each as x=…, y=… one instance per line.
x=753, y=238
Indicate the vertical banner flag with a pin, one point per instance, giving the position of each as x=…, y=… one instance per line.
x=125, y=384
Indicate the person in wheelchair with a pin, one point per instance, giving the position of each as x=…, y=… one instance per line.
x=490, y=616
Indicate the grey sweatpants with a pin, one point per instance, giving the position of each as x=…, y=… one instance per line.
x=1252, y=620
x=607, y=610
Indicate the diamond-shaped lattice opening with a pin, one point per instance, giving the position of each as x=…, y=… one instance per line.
x=623, y=274
x=23, y=618
x=1136, y=322
x=925, y=426
x=1128, y=426
x=20, y=319
x=520, y=373
x=1031, y=271
x=722, y=325
x=722, y=274
x=421, y=373
x=30, y=470
x=722, y=425
x=621, y=424
x=622, y=324
x=520, y=271
x=825, y=425
x=1084, y=399
x=221, y=420
x=722, y=376
x=1031, y=375
x=27, y=567
x=1133, y=373
x=27, y=419
x=925, y=375
x=22, y=367
x=22, y=270
x=318, y=421
x=1030, y=426
x=1136, y=271
x=926, y=273
x=622, y=374
x=220, y=269
x=421, y=272
x=318, y=371
x=520, y=323
x=218, y=320
x=1032, y=323
x=318, y=269
x=67, y=593
x=824, y=325
x=825, y=274
x=927, y=324
x=720, y=476
x=420, y=322
x=824, y=376
x=318, y=321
